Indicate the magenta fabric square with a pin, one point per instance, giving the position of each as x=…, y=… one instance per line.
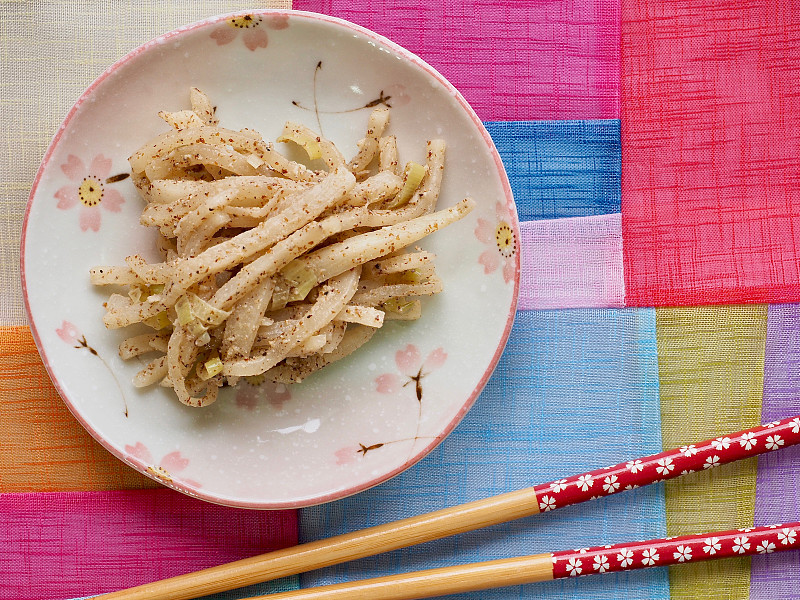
x=69, y=544
x=512, y=59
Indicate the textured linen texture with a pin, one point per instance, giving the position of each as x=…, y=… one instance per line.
x=50, y=52
x=710, y=136
x=710, y=371
x=561, y=168
x=575, y=390
x=67, y=544
x=572, y=263
x=511, y=59
x=778, y=484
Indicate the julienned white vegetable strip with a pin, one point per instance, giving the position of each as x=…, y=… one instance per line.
x=378, y=188
x=333, y=298
x=337, y=258
x=295, y=370
x=309, y=205
x=309, y=236
x=387, y=154
x=194, y=242
x=271, y=268
x=368, y=146
x=363, y=315
x=398, y=264
x=242, y=326
x=202, y=107
x=155, y=371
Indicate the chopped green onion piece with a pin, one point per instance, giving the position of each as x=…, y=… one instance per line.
x=413, y=276
x=299, y=292
x=296, y=272
x=211, y=367
x=399, y=305
x=205, y=312
x=301, y=279
x=160, y=321
x=308, y=142
x=412, y=177
x=280, y=296
x=184, y=309
x=196, y=328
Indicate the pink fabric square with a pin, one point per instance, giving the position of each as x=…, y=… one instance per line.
x=73, y=544
x=572, y=263
x=711, y=151
x=512, y=60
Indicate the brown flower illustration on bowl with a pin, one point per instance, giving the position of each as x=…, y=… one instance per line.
x=69, y=333
x=413, y=369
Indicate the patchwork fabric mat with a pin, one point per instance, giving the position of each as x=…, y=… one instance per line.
x=652, y=148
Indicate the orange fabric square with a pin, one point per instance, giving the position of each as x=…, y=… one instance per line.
x=43, y=447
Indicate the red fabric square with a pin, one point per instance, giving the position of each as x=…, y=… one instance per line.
x=710, y=151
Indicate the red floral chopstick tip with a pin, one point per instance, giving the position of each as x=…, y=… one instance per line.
x=668, y=465
x=676, y=550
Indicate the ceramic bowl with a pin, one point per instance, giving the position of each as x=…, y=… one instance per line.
x=359, y=421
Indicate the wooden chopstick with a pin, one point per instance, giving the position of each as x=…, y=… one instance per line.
x=556, y=565
x=473, y=515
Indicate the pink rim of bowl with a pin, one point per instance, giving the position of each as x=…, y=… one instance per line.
x=406, y=55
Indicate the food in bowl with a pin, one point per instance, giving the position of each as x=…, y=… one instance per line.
x=272, y=269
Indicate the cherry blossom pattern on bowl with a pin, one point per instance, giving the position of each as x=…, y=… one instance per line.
x=252, y=28
x=342, y=430
x=166, y=469
x=406, y=386
x=90, y=189
x=499, y=234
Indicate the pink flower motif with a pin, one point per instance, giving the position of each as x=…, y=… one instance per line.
x=171, y=463
x=410, y=364
x=388, y=383
x=277, y=22
x=252, y=27
x=408, y=360
x=397, y=95
x=500, y=236
x=252, y=392
x=346, y=455
x=69, y=333
x=89, y=189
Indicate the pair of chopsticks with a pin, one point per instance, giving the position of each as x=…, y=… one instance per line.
x=499, y=509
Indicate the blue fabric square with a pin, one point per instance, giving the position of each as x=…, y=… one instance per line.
x=561, y=168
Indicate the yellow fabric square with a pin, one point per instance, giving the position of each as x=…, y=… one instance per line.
x=711, y=371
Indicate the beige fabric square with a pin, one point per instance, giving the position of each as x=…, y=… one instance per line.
x=50, y=52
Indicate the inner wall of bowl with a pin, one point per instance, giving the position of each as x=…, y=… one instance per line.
x=260, y=448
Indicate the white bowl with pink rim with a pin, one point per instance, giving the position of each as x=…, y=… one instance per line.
x=356, y=423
